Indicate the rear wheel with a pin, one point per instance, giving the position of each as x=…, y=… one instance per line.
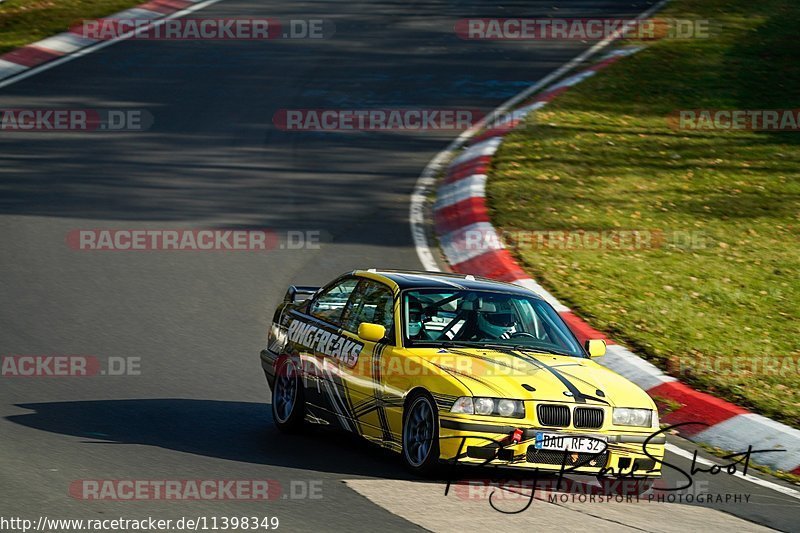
x=288, y=403
x=421, y=434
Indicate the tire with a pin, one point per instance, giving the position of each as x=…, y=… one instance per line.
x=421, y=434
x=288, y=401
x=625, y=486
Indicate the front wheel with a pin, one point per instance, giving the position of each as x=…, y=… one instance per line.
x=421, y=434
x=288, y=403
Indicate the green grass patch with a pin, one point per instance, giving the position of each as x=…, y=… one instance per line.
x=718, y=301
x=25, y=21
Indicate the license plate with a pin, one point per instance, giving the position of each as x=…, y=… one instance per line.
x=570, y=443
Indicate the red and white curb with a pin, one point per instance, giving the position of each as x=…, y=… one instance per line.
x=20, y=63
x=460, y=211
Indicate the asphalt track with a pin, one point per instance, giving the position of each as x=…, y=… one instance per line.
x=199, y=409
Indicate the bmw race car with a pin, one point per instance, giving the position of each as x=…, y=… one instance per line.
x=453, y=368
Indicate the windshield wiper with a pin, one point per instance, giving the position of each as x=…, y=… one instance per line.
x=506, y=348
x=523, y=348
x=457, y=344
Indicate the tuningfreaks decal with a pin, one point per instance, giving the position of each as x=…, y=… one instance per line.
x=325, y=342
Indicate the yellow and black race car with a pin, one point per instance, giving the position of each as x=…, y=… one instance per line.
x=444, y=367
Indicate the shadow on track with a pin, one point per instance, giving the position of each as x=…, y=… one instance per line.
x=236, y=431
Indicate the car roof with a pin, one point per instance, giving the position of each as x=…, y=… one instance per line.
x=418, y=279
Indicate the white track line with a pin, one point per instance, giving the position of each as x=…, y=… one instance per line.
x=427, y=180
x=747, y=477
x=102, y=44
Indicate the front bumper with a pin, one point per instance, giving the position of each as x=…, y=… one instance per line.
x=481, y=443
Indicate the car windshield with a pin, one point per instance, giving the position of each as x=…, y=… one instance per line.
x=436, y=317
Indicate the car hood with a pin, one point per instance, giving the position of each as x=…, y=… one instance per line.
x=533, y=376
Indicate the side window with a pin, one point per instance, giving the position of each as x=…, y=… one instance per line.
x=372, y=302
x=329, y=305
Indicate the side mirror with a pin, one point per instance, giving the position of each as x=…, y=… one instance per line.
x=596, y=347
x=371, y=332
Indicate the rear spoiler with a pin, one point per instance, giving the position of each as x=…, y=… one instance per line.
x=299, y=293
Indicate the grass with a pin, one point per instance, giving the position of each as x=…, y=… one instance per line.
x=718, y=302
x=25, y=21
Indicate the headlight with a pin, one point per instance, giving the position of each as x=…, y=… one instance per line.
x=463, y=405
x=484, y=406
x=489, y=406
x=624, y=416
x=506, y=407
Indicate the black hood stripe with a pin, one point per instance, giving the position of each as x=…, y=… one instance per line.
x=579, y=396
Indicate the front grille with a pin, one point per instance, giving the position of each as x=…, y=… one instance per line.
x=553, y=415
x=554, y=457
x=588, y=418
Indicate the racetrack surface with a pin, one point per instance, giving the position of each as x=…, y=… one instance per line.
x=199, y=409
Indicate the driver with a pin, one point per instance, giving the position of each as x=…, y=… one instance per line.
x=416, y=326
x=495, y=325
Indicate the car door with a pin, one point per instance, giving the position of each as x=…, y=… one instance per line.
x=372, y=302
x=323, y=349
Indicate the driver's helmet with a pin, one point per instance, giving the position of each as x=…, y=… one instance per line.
x=414, y=317
x=493, y=322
